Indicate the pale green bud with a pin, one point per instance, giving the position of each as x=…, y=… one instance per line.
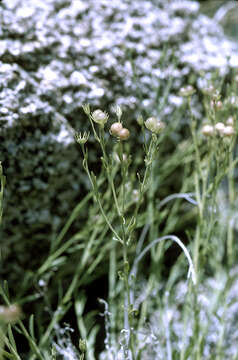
x=115, y=128
x=82, y=138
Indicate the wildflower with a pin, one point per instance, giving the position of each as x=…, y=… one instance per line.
x=187, y=91
x=154, y=125
x=100, y=117
x=115, y=128
x=123, y=134
x=208, y=130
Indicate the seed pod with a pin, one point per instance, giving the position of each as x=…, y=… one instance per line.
x=187, y=91
x=228, y=131
x=154, y=125
x=100, y=117
x=123, y=134
x=208, y=130
x=209, y=90
x=220, y=127
x=10, y=314
x=115, y=128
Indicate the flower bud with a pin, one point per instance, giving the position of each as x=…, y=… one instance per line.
x=140, y=120
x=100, y=117
x=118, y=112
x=115, y=128
x=82, y=345
x=154, y=125
x=208, y=130
x=228, y=131
x=82, y=138
x=123, y=134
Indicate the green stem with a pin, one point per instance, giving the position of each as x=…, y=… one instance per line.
x=231, y=194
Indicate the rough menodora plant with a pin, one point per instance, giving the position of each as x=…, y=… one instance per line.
x=128, y=222
x=146, y=315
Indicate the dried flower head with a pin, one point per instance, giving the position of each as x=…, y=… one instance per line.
x=115, y=128
x=154, y=125
x=100, y=117
x=208, y=130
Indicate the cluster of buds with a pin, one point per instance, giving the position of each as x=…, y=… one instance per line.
x=224, y=130
x=119, y=131
x=10, y=314
x=154, y=125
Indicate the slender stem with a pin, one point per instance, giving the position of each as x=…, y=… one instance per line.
x=97, y=196
x=231, y=194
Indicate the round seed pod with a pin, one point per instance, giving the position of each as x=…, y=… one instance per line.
x=123, y=134
x=208, y=130
x=220, y=127
x=100, y=117
x=115, y=128
x=228, y=131
x=154, y=125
